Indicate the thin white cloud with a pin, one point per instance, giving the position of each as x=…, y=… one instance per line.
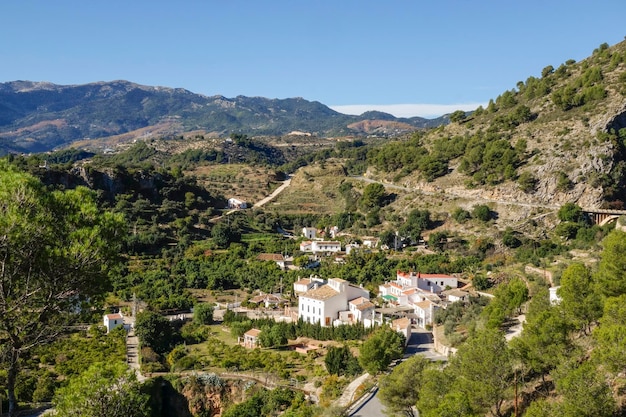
x=428, y=111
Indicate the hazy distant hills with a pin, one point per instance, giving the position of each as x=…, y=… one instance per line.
x=39, y=116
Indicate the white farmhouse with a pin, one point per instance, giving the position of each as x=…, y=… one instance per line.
x=235, y=203
x=456, y=295
x=112, y=321
x=323, y=303
x=317, y=246
x=309, y=232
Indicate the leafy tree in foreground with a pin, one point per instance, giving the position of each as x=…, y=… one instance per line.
x=382, y=347
x=584, y=390
x=544, y=342
x=56, y=249
x=103, y=390
x=611, y=275
x=610, y=336
x=483, y=366
x=399, y=391
x=154, y=331
x=340, y=361
x=203, y=313
x=570, y=212
x=580, y=301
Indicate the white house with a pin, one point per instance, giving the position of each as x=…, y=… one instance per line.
x=436, y=282
x=235, y=203
x=112, y=321
x=326, y=246
x=275, y=257
x=361, y=308
x=425, y=312
x=251, y=338
x=402, y=326
x=309, y=232
x=554, y=295
x=323, y=303
x=456, y=295
x=371, y=242
x=350, y=247
x=317, y=246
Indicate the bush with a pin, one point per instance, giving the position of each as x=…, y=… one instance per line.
x=481, y=212
x=203, y=313
x=527, y=182
x=460, y=215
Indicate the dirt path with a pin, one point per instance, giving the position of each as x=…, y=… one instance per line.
x=270, y=197
x=452, y=194
x=348, y=393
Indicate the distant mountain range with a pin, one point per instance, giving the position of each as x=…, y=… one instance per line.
x=40, y=116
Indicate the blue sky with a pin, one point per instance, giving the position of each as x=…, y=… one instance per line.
x=409, y=57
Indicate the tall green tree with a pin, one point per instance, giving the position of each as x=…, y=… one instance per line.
x=584, y=391
x=154, y=331
x=103, y=390
x=580, y=300
x=56, y=249
x=610, y=335
x=382, y=347
x=544, y=342
x=203, y=313
x=399, y=391
x=483, y=366
x=341, y=361
x=611, y=275
x=373, y=195
x=570, y=212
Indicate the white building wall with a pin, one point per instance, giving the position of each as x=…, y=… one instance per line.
x=331, y=308
x=436, y=284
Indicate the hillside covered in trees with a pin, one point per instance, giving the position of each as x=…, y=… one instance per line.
x=498, y=198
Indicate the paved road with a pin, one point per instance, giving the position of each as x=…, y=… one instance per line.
x=420, y=343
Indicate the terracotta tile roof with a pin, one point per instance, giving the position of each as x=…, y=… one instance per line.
x=424, y=305
x=436, y=276
x=114, y=316
x=402, y=323
x=270, y=257
x=303, y=281
x=253, y=333
x=321, y=293
x=455, y=293
x=362, y=303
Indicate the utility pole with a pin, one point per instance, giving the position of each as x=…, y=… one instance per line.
x=516, y=409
